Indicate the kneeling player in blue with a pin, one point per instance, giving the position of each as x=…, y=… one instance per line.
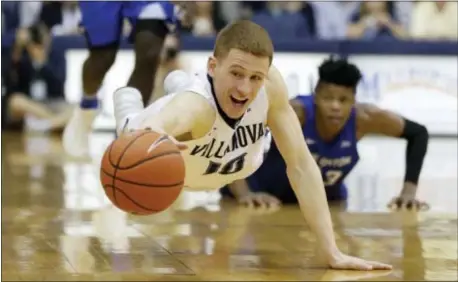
x=332, y=124
x=103, y=21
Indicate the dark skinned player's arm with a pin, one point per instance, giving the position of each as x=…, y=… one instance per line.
x=373, y=120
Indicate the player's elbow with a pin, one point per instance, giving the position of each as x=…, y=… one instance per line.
x=423, y=133
x=423, y=137
x=417, y=137
x=415, y=131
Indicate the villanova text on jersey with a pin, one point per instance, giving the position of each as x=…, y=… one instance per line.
x=243, y=136
x=226, y=153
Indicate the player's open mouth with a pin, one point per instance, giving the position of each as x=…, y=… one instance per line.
x=239, y=102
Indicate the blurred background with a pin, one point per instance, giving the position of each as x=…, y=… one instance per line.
x=406, y=50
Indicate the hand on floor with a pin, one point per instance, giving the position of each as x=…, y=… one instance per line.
x=260, y=200
x=342, y=261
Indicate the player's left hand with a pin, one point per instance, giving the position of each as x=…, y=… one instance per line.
x=402, y=202
x=407, y=199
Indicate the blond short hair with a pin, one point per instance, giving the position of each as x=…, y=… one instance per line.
x=246, y=36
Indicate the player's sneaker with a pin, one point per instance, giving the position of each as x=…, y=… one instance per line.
x=76, y=133
x=126, y=101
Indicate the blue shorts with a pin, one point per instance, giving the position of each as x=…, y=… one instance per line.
x=271, y=177
x=282, y=189
x=103, y=20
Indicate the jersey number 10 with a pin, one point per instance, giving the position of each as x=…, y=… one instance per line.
x=233, y=166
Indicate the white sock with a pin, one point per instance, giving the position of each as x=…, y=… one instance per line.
x=126, y=101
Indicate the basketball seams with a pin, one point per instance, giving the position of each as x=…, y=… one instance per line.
x=128, y=197
x=115, y=166
x=122, y=153
x=142, y=184
x=109, y=155
x=163, y=154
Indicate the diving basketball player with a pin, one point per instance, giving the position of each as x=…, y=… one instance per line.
x=103, y=21
x=332, y=124
x=220, y=119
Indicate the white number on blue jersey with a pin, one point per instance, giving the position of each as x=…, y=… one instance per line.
x=331, y=177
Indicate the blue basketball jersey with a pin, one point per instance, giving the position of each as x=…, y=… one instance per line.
x=335, y=158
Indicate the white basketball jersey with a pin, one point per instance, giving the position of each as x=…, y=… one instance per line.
x=224, y=154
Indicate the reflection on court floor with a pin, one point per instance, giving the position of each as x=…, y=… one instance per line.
x=57, y=224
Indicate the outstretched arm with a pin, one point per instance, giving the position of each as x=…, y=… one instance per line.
x=186, y=116
x=305, y=176
x=373, y=120
x=302, y=170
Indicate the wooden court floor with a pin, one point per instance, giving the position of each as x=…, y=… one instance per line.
x=56, y=225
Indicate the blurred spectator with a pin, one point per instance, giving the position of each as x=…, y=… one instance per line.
x=375, y=19
x=18, y=107
x=219, y=21
x=207, y=20
x=249, y=8
x=403, y=12
x=29, y=12
x=30, y=72
x=228, y=11
x=17, y=15
x=332, y=18
x=436, y=20
x=284, y=19
x=20, y=13
x=61, y=17
x=308, y=12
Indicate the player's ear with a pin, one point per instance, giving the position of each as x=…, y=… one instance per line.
x=211, y=65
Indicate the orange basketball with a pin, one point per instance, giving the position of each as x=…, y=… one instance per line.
x=142, y=172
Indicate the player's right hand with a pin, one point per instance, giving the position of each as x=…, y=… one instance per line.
x=180, y=145
x=259, y=200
